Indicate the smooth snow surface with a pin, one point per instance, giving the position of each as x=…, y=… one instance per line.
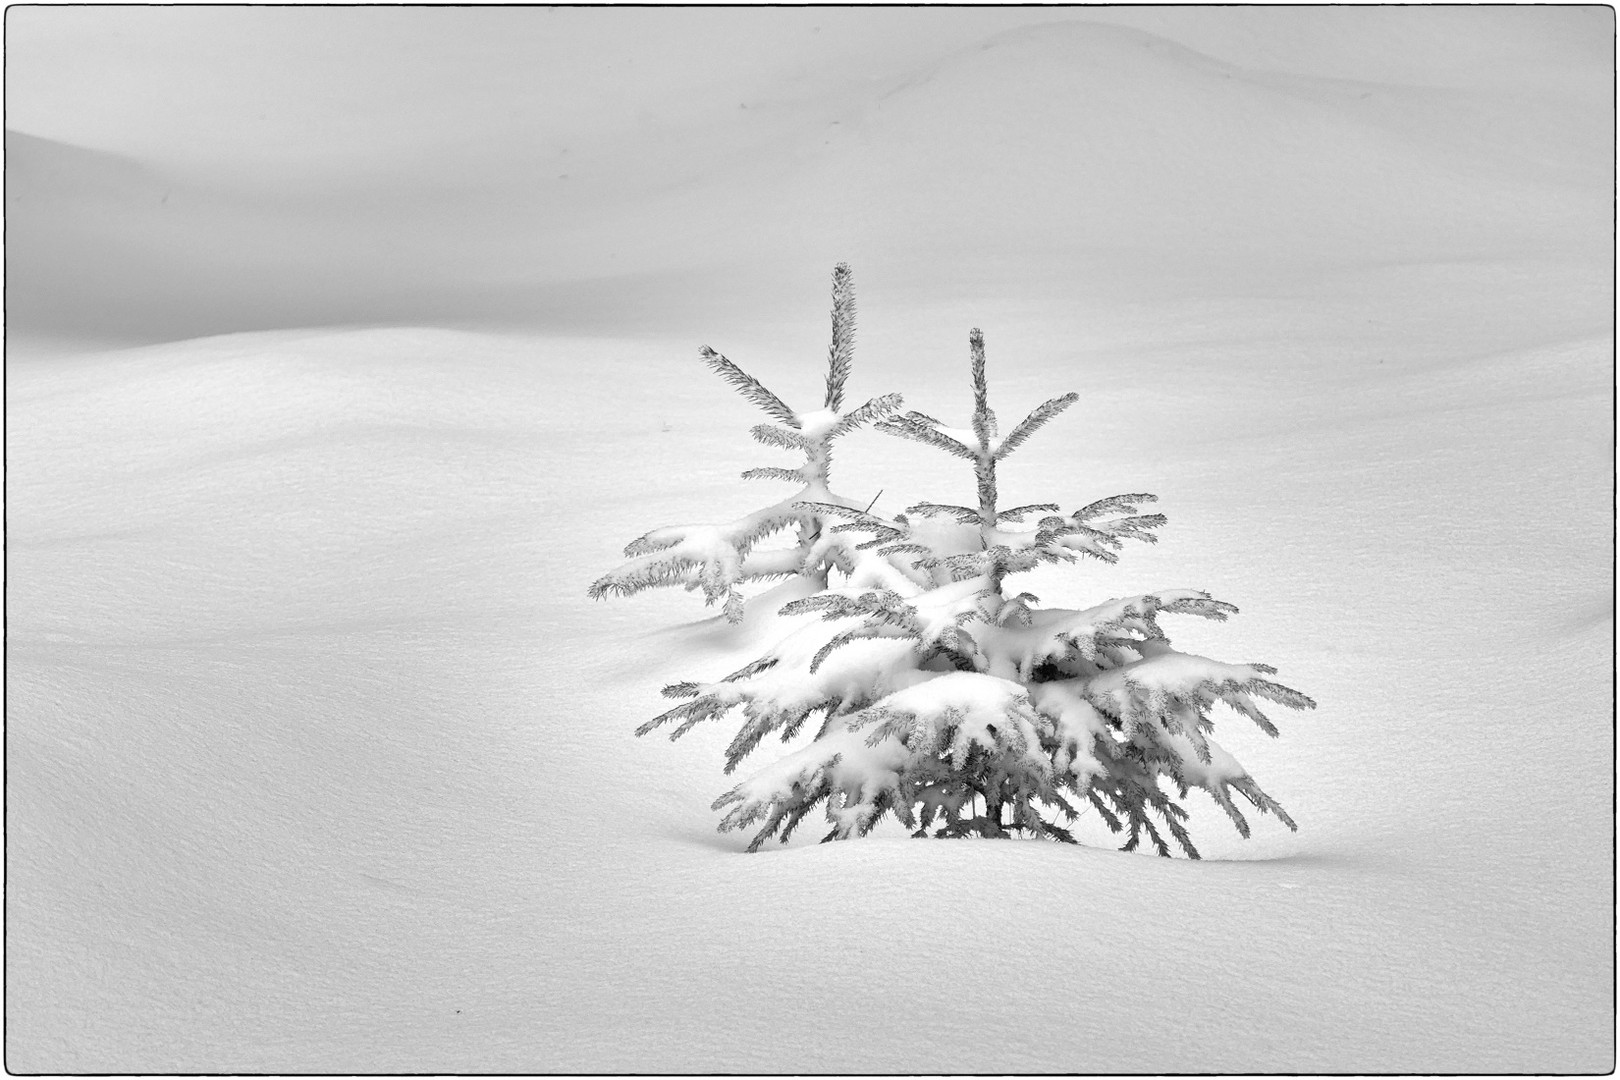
x=319, y=758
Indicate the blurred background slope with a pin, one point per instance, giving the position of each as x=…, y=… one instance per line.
x=174, y=172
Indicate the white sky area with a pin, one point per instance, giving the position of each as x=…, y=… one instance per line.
x=232, y=168
x=324, y=93
x=332, y=94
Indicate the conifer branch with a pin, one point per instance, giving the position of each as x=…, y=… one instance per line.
x=657, y=540
x=1058, y=833
x=1195, y=603
x=764, y=663
x=1245, y=706
x=875, y=409
x=914, y=426
x=964, y=514
x=830, y=605
x=841, y=352
x=748, y=738
x=690, y=714
x=837, y=641
x=1263, y=802
x=1033, y=422
x=771, y=435
x=1136, y=528
x=1094, y=797
x=1114, y=504
x=749, y=387
x=984, y=419
x=627, y=581
x=839, y=511
x=800, y=810
x=861, y=521
x=711, y=558
x=1018, y=513
x=770, y=472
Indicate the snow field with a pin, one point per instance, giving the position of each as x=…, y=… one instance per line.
x=304, y=630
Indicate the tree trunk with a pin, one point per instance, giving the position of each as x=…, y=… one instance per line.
x=992, y=811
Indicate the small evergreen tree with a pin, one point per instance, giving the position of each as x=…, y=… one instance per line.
x=958, y=708
x=718, y=558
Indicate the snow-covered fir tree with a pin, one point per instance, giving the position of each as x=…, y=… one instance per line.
x=718, y=558
x=963, y=710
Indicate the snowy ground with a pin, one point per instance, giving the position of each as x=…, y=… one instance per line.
x=318, y=758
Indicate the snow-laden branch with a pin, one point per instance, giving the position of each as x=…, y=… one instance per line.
x=942, y=701
x=717, y=558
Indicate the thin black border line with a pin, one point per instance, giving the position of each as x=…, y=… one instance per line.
x=5, y=533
